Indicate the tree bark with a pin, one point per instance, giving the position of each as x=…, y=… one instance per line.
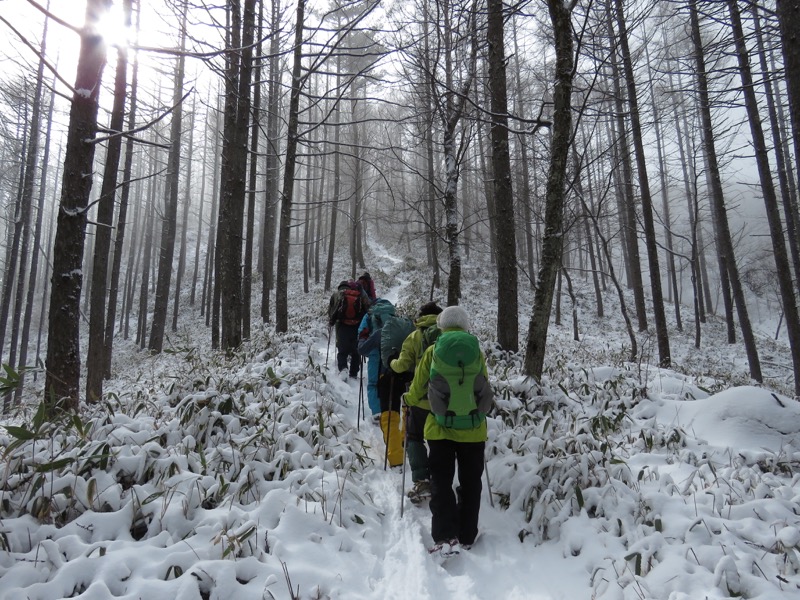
x=62, y=381
x=233, y=180
x=281, y=293
x=555, y=194
x=272, y=174
x=122, y=216
x=724, y=241
x=26, y=203
x=95, y=355
x=247, y=267
x=662, y=334
x=507, y=300
x=169, y=222
x=784, y=269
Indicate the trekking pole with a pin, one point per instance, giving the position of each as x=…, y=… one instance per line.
x=388, y=439
x=405, y=445
x=360, y=407
x=361, y=386
x=488, y=483
x=389, y=422
x=328, y=351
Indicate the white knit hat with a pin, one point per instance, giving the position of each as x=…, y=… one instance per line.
x=453, y=316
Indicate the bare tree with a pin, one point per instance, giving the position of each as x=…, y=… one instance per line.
x=122, y=216
x=281, y=298
x=507, y=300
x=169, y=221
x=662, y=335
x=560, y=16
x=63, y=348
x=95, y=356
x=728, y=265
x=783, y=266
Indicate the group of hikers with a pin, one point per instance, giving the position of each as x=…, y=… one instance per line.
x=428, y=389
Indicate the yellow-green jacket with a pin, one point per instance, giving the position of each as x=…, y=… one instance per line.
x=417, y=395
x=411, y=351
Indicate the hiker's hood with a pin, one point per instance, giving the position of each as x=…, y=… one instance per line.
x=453, y=316
x=425, y=321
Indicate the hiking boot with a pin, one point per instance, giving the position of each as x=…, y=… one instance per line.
x=420, y=491
x=343, y=374
x=376, y=419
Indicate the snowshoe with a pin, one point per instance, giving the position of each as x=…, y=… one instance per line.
x=441, y=551
x=420, y=492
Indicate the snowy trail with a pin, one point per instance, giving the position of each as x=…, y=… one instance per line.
x=498, y=566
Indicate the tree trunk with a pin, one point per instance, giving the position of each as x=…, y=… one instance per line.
x=233, y=180
x=790, y=215
x=507, y=300
x=247, y=268
x=272, y=168
x=95, y=355
x=672, y=275
x=784, y=269
x=200, y=223
x=337, y=189
x=62, y=381
x=122, y=217
x=281, y=293
x=659, y=316
x=37, y=244
x=187, y=202
x=628, y=214
x=554, y=202
x=144, y=288
x=26, y=203
x=724, y=240
x=525, y=191
x=169, y=221
x=788, y=16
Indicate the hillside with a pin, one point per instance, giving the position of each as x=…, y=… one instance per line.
x=254, y=476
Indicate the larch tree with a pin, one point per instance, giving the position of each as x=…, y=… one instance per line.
x=169, y=213
x=552, y=244
x=728, y=266
x=233, y=182
x=507, y=300
x=780, y=253
x=95, y=356
x=659, y=316
x=63, y=363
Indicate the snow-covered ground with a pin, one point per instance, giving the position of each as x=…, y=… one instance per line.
x=254, y=475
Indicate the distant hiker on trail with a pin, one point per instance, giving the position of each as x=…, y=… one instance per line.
x=347, y=307
x=368, y=286
x=453, y=374
x=423, y=336
x=384, y=388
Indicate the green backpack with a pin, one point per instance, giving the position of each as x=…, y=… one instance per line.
x=429, y=335
x=459, y=394
x=379, y=313
x=394, y=333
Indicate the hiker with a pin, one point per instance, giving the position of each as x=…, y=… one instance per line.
x=384, y=388
x=368, y=286
x=424, y=335
x=453, y=374
x=347, y=307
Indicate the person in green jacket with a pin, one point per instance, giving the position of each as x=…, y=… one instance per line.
x=454, y=519
x=415, y=344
